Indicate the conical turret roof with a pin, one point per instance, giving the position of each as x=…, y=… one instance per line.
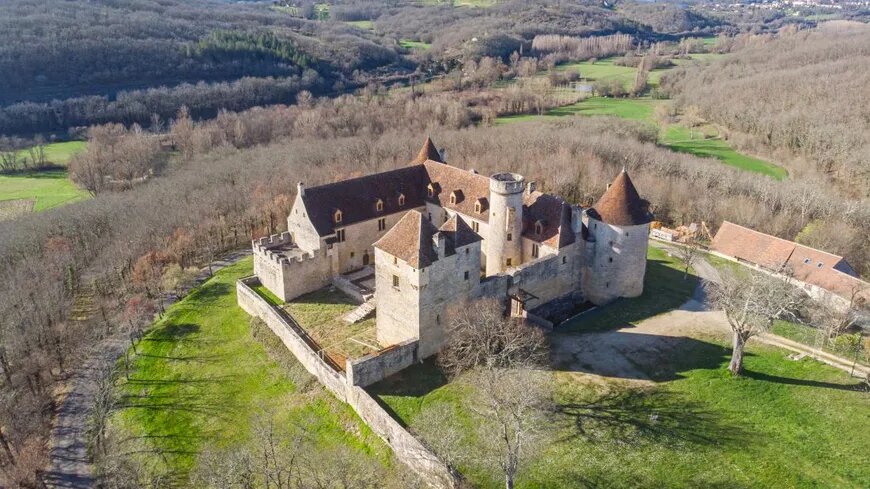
x=621, y=205
x=428, y=152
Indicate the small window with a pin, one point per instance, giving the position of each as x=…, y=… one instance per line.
x=564, y=260
x=352, y=254
x=466, y=275
x=535, y=251
x=626, y=235
x=396, y=281
x=339, y=235
x=337, y=216
x=820, y=265
x=509, y=262
x=539, y=228
x=437, y=319
x=382, y=224
x=401, y=200
x=466, y=251
x=510, y=237
x=475, y=226
x=477, y=207
x=395, y=261
x=430, y=190
x=806, y=260
x=453, y=198
x=607, y=285
x=379, y=205
x=610, y=260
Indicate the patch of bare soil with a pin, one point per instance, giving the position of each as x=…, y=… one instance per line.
x=637, y=354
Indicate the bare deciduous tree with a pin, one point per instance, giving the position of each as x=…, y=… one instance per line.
x=752, y=301
x=689, y=253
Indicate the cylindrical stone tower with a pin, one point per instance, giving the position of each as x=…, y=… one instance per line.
x=619, y=228
x=504, y=247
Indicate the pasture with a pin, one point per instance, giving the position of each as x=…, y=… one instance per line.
x=46, y=189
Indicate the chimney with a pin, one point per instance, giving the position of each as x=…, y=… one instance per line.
x=300, y=189
x=531, y=187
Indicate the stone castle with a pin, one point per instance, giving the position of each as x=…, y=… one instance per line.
x=436, y=235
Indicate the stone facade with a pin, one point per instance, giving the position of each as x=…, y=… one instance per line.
x=438, y=235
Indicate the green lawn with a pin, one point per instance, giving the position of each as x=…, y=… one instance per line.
x=602, y=70
x=365, y=25
x=679, y=138
x=60, y=153
x=784, y=424
x=418, y=45
x=200, y=377
x=48, y=189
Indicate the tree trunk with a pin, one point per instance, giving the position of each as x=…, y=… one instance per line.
x=509, y=482
x=736, y=365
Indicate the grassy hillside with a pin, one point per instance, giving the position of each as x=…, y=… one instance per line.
x=199, y=378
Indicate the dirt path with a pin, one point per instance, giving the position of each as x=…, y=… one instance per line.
x=70, y=465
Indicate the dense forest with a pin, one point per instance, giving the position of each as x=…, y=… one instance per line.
x=72, y=64
x=803, y=93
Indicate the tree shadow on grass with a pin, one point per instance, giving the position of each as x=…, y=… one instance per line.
x=210, y=291
x=415, y=381
x=172, y=332
x=857, y=386
x=637, y=356
x=648, y=417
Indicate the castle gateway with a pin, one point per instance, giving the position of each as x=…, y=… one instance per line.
x=436, y=235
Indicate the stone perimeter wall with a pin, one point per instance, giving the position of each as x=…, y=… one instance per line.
x=374, y=367
x=407, y=449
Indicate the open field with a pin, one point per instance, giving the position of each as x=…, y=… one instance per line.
x=675, y=417
x=678, y=138
x=60, y=153
x=49, y=189
x=366, y=25
x=200, y=378
x=409, y=44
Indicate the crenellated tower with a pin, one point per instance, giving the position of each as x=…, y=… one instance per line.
x=504, y=248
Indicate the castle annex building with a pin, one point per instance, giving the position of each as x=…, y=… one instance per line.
x=434, y=235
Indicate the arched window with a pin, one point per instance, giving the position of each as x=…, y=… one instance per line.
x=539, y=228
x=337, y=216
x=453, y=198
x=430, y=190
x=401, y=200
x=379, y=205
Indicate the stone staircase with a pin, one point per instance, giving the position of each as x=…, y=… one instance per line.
x=361, y=312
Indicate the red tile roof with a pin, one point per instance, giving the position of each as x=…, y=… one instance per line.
x=457, y=234
x=820, y=268
x=410, y=240
x=554, y=215
x=621, y=205
x=468, y=187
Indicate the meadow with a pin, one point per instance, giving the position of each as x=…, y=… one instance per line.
x=39, y=191
x=705, y=142
x=200, y=377
x=686, y=424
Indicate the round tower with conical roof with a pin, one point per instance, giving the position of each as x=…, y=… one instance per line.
x=618, y=226
x=504, y=248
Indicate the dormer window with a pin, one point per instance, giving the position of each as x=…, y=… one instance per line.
x=478, y=207
x=337, y=216
x=539, y=228
x=430, y=190
x=453, y=198
x=401, y=200
x=379, y=205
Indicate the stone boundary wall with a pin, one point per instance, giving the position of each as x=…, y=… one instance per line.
x=407, y=449
x=293, y=339
x=379, y=365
